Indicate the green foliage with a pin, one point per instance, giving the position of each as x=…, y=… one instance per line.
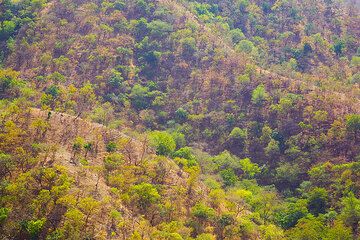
x=229, y=177
x=159, y=28
x=179, y=139
x=186, y=154
x=317, y=201
x=245, y=46
x=203, y=212
x=353, y=123
x=250, y=169
x=236, y=35
x=4, y=212
x=113, y=161
x=351, y=211
x=163, y=142
x=9, y=84
x=34, y=227
x=338, y=231
x=278, y=96
x=307, y=228
x=111, y=147
x=188, y=46
x=259, y=95
x=140, y=97
x=294, y=211
x=288, y=173
x=238, y=133
x=205, y=236
x=144, y=194
x=7, y=29
x=181, y=115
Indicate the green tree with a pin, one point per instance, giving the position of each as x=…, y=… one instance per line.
x=351, y=211
x=73, y=224
x=140, y=97
x=7, y=28
x=236, y=140
x=288, y=217
x=338, y=232
x=353, y=124
x=159, y=28
x=34, y=227
x=163, y=142
x=203, y=212
x=245, y=46
x=259, y=95
x=307, y=229
x=229, y=177
x=317, y=201
x=236, y=35
x=249, y=168
x=181, y=115
x=144, y=194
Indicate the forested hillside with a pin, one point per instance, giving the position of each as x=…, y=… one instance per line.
x=180, y=119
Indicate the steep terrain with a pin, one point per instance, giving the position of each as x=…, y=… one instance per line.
x=179, y=119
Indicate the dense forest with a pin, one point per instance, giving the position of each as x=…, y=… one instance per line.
x=180, y=119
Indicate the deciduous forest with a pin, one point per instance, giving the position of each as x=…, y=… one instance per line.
x=180, y=119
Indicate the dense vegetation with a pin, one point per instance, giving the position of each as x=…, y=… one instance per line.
x=242, y=119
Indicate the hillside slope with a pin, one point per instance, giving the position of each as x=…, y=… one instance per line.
x=179, y=119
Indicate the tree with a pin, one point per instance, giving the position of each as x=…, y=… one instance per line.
x=86, y=98
x=317, y=201
x=181, y=115
x=88, y=206
x=229, y=177
x=240, y=199
x=9, y=83
x=139, y=97
x=163, y=142
x=237, y=139
x=249, y=168
x=88, y=148
x=307, y=229
x=185, y=153
x=353, y=124
x=34, y=227
x=288, y=217
x=272, y=232
x=159, y=29
x=259, y=95
x=113, y=161
x=6, y=165
x=273, y=148
x=73, y=224
x=245, y=46
x=338, y=232
x=203, y=212
x=188, y=46
x=4, y=213
x=78, y=144
x=7, y=28
x=238, y=133
x=144, y=194
x=111, y=147
x=351, y=211
x=236, y=35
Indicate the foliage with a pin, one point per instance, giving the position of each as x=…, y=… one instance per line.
x=163, y=142
x=264, y=92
